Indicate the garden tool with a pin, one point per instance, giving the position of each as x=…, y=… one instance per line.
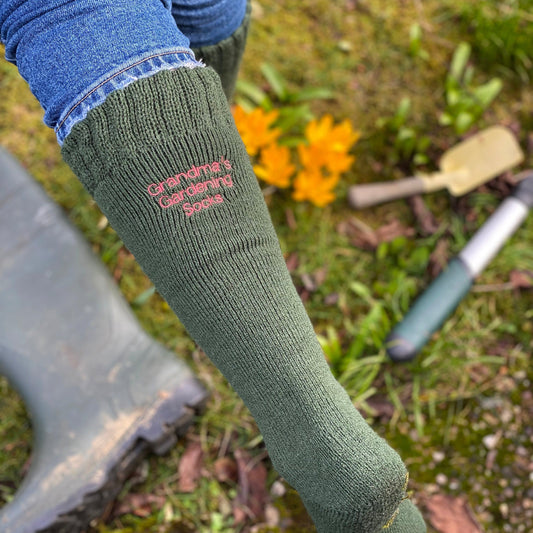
x=441, y=298
x=462, y=168
x=100, y=392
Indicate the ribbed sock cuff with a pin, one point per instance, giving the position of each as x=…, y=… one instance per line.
x=154, y=116
x=128, y=151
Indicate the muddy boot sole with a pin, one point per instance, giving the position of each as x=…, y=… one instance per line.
x=156, y=435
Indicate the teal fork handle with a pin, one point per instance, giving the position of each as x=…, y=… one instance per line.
x=441, y=298
x=429, y=311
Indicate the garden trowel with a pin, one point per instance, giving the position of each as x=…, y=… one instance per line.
x=464, y=167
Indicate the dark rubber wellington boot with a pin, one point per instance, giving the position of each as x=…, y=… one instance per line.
x=100, y=391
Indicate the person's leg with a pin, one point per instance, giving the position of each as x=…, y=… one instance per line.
x=73, y=54
x=208, y=22
x=217, y=30
x=164, y=162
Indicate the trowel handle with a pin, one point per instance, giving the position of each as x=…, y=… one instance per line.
x=441, y=298
x=367, y=195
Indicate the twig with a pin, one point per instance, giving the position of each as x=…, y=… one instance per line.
x=496, y=287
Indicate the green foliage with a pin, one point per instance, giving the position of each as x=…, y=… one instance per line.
x=355, y=371
x=407, y=146
x=16, y=431
x=501, y=35
x=380, y=305
x=415, y=43
x=144, y=297
x=293, y=104
x=465, y=102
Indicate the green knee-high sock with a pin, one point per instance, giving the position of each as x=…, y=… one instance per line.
x=407, y=520
x=164, y=162
x=225, y=57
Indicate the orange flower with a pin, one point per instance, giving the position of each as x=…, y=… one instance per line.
x=339, y=138
x=317, y=156
x=255, y=128
x=312, y=185
x=329, y=145
x=275, y=167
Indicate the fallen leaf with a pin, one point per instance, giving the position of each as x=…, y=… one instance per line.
x=190, y=466
x=491, y=458
x=304, y=295
x=117, y=273
x=311, y=282
x=491, y=441
x=449, y=514
x=351, y=5
x=383, y=408
x=426, y=220
x=141, y=505
x=308, y=282
x=292, y=262
x=360, y=235
x=331, y=299
x=439, y=258
x=320, y=275
x=272, y=520
x=521, y=279
x=392, y=230
x=226, y=470
x=291, y=219
x=252, y=496
x=364, y=237
x=502, y=348
x=258, y=12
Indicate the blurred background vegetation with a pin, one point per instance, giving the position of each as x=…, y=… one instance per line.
x=461, y=413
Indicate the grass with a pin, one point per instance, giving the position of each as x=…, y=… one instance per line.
x=502, y=33
x=471, y=381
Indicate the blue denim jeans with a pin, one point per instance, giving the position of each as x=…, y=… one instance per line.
x=75, y=53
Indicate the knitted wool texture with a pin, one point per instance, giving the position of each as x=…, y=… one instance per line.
x=164, y=162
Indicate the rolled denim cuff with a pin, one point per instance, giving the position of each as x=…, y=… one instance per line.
x=136, y=68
